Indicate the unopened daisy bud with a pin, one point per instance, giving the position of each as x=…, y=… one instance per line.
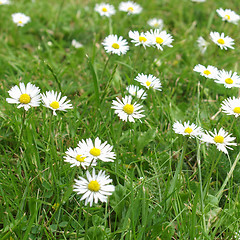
x=231, y=106
x=228, y=15
x=94, y=187
x=202, y=44
x=26, y=97
x=54, y=101
x=130, y=7
x=126, y=110
x=20, y=19
x=187, y=129
x=221, y=41
x=221, y=139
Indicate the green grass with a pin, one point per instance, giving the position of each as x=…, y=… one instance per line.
x=167, y=186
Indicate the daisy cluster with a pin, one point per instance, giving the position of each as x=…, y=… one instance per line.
x=29, y=96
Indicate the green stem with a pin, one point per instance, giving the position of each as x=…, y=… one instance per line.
x=177, y=172
x=230, y=173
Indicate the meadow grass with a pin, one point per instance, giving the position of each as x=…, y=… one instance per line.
x=167, y=186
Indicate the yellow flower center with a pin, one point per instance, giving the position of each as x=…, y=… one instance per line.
x=25, y=98
x=94, y=186
x=220, y=41
x=128, y=108
x=228, y=81
x=95, y=152
x=159, y=40
x=20, y=22
x=142, y=39
x=148, y=83
x=104, y=9
x=80, y=158
x=54, y=105
x=188, y=130
x=207, y=72
x=227, y=17
x=156, y=25
x=219, y=139
x=236, y=110
x=130, y=9
x=115, y=45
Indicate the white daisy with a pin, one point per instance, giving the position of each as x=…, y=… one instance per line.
x=149, y=81
x=20, y=19
x=94, y=188
x=160, y=38
x=228, y=15
x=221, y=41
x=113, y=44
x=208, y=72
x=52, y=100
x=26, y=97
x=130, y=7
x=202, y=44
x=229, y=79
x=76, y=44
x=231, y=106
x=187, y=129
x=221, y=139
x=105, y=9
x=126, y=110
x=97, y=150
x=140, y=39
x=76, y=158
x=155, y=23
x=136, y=91
x=4, y=2
x=198, y=0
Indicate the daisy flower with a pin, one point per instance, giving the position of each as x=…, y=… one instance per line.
x=187, y=129
x=105, y=9
x=76, y=44
x=155, y=23
x=4, y=2
x=208, y=72
x=136, y=91
x=140, y=39
x=76, y=158
x=221, y=41
x=229, y=79
x=228, y=15
x=94, y=188
x=202, y=44
x=126, y=110
x=221, y=139
x=52, y=100
x=231, y=106
x=149, y=81
x=130, y=7
x=113, y=44
x=20, y=19
x=26, y=97
x=160, y=38
x=97, y=150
